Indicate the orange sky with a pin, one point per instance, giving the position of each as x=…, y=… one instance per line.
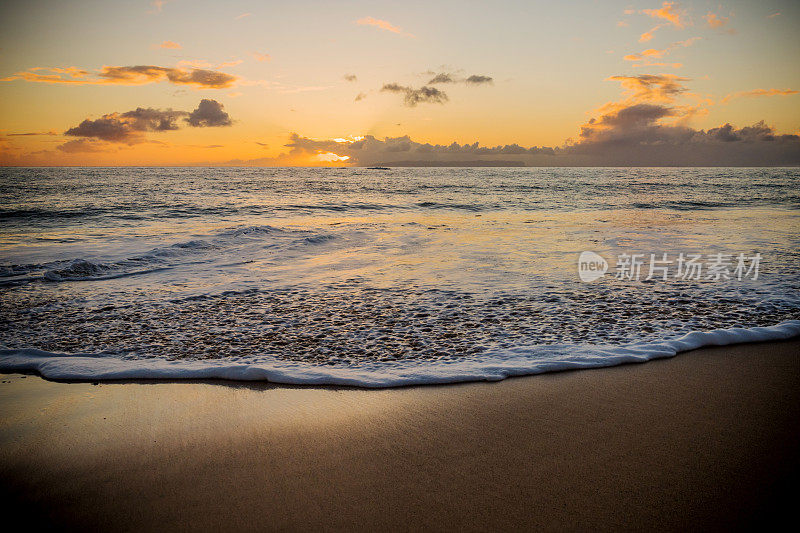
x=205, y=83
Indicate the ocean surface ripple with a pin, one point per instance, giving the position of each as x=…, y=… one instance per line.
x=381, y=278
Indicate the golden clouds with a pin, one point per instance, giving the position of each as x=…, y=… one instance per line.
x=758, y=92
x=670, y=13
x=645, y=58
x=383, y=25
x=131, y=75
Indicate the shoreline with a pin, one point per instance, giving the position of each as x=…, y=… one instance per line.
x=707, y=439
x=492, y=365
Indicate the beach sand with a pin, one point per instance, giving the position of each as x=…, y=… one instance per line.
x=708, y=439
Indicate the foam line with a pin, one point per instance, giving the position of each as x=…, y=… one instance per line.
x=492, y=365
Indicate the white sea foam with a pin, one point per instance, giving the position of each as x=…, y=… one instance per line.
x=492, y=365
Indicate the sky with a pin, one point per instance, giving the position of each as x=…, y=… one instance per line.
x=301, y=83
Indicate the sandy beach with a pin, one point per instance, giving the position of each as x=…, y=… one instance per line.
x=706, y=440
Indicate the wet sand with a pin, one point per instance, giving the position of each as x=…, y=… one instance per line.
x=709, y=439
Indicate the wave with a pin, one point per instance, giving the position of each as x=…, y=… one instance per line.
x=683, y=205
x=493, y=365
x=157, y=259
x=438, y=205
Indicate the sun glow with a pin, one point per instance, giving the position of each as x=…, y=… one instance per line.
x=330, y=157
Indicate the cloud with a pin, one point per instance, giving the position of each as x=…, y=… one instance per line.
x=428, y=94
x=477, y=79
x=32, y=133
x=131, y=75
x=776, y=14
x=360, y=96
x=442, y=77
x=658, y=88
x=172, y=45
x=645, y=58
x=382, y=24
x=141, y=74
x=717, y=22
x=129, y=127
x=649, y=127
x=149, y=119
x=243, y=15
x=209, y=113
x=261, y=57
x=445, y=77
x=368, y=150
x=648, y=35
x=412, y=97
x=758, y=92
x=111, y=128
x=83, y=146
x=668, y=12
x=157, y=6
x=350, y=77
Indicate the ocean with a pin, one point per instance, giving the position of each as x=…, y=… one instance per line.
x=378, y=278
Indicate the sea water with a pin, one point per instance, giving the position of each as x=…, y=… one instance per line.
x=378, y=278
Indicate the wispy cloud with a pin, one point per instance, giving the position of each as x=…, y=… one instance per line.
x=243, y=15
x=669, y=12
x=759, y=92
x=32, y=134
x=717, y=22
x=156, y=6
x=130, y=75
x=172, y=45
x=383, y=25
x=446, y=77
x=646, y=58
x=412, y=97
x=258, y=56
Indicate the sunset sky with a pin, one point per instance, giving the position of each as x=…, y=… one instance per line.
x=182, y=82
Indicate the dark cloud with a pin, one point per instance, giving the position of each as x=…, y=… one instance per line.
x=149, y=119
x=403, y=151
x=632, y=137
x=442, y=77
x=428, y=94
x=110, y=128
x=477, y=79
x=649, y=127
x=360, y=96
x=129, y=127
x=412, y=97
x=209, y=113
x=350, y=77
x=445, y=77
